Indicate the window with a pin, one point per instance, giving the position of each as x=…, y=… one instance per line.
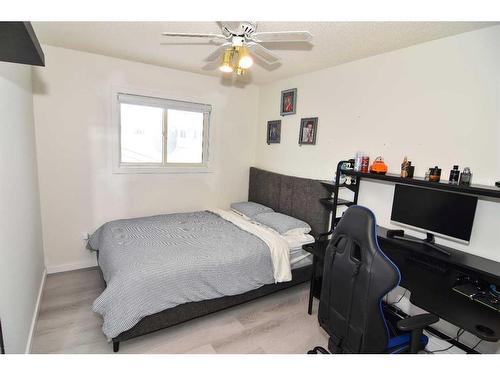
x=160, y=135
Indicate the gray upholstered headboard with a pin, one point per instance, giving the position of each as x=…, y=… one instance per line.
x=293, y=196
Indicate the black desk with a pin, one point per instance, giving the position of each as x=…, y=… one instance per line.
x=430, y=277
x=317, y=250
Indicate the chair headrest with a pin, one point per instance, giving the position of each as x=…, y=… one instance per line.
x=359, y=225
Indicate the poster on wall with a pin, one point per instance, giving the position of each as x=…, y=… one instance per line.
x=273, y=131
x=288, y=102
x=308, y=130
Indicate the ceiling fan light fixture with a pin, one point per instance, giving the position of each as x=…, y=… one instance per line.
x=227, y=61
x=237, y=39
x=245, y=60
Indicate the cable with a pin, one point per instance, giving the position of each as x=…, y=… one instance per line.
x=460, y=332
x=449, y=339
x=436, y=336
x=475, y=346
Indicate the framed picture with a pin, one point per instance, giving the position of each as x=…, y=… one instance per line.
x=273, y=131
x=288, y=102
x=308, y=130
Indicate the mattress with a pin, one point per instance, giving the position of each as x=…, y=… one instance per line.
x=298, y=256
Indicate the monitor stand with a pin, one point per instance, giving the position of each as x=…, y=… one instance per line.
x=399, y=234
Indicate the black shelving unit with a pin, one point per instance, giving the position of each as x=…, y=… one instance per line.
x=333, y=201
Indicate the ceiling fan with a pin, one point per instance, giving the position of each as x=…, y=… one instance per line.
x=241, y=40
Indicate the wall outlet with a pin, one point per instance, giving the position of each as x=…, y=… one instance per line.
x=85, y=236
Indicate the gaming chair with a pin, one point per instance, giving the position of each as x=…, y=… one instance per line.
x=356, y=277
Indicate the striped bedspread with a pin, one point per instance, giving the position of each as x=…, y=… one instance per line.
x=154, y=263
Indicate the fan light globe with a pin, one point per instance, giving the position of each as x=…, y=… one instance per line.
x=245, y=60
x=227, y=60
x=226, y=68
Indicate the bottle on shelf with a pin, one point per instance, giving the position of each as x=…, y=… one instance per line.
x=365, y=163
x=357, y=161
x=411, y=170
x=435, y=174
x=454, y=175
x=427, y=174
x=466, y=177
x=404, y=167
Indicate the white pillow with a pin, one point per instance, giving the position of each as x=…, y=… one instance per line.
x=283, y=224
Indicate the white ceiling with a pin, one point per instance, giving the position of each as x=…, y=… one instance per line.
x=334, y=43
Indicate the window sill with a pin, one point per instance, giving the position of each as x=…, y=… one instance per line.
x=160, y=170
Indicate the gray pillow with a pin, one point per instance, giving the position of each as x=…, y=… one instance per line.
x=249, y=209
x=93, y=241
x=283, y=224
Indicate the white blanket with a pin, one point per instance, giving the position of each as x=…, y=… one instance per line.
x=279, y=248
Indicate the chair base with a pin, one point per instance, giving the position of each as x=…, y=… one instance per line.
x=318, y=350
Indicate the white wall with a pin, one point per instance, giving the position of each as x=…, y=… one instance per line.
x=79, y=192
x=436, y=102
x=21, y=253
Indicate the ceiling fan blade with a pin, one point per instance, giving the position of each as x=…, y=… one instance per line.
x=219, y=51
x=282, y=36
x=263, y=53
x=194, y=35
x=233, y=26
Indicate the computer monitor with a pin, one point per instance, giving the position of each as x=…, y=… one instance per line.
x=446, y=214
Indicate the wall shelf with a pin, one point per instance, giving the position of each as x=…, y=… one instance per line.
x=330, y=185
x=330, y=204
x=473, y=189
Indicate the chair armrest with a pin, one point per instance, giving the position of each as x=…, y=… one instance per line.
x=417, y=322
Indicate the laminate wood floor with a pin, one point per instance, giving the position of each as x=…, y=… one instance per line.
x=277, y=323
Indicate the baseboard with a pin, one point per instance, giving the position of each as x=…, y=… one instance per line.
x=71, y=266
x=35, y=313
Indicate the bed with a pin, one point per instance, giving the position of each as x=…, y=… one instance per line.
x=215, y=259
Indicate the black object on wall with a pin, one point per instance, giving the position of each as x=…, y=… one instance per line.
x=2, y=347
x=19, y=44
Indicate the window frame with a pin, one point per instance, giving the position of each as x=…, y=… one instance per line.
x=154, y=100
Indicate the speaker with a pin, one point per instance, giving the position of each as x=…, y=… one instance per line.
x=391, y=233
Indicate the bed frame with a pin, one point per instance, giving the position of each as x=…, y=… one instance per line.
x=294, y=196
